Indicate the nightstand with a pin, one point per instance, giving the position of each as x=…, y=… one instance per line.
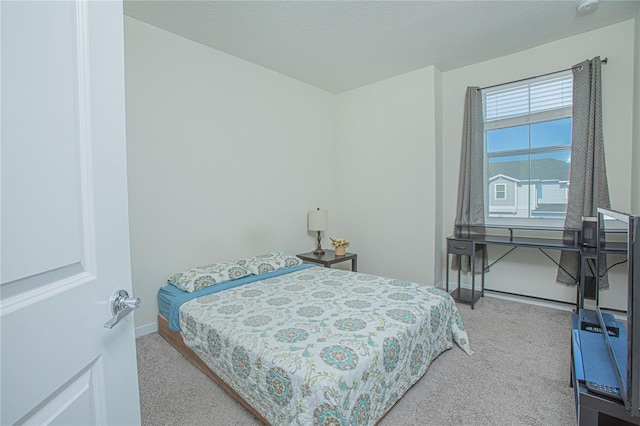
x=329, y=258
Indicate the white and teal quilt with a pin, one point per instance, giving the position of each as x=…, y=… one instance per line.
x=322, y=346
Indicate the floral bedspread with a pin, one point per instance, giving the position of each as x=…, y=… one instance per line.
x=322, y=346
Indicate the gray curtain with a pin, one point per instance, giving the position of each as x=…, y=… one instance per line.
x=470, y=210
x=588, y=187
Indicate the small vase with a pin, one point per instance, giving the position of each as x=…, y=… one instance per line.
x=341, y=251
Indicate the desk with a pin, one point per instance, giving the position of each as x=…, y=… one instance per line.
x=464, y=243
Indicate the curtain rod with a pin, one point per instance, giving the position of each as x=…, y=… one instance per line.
x=604, y=61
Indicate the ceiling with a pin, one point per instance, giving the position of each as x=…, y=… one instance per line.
x=341, y=45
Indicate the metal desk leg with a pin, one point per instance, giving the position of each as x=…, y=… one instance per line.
x=459, y=270
x=472, y=259
x=447, y=274
x=484, y=248
x=581, y=284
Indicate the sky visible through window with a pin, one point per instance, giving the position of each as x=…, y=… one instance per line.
x=556, y=133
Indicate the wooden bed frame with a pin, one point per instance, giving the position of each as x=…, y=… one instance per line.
x=175, y=339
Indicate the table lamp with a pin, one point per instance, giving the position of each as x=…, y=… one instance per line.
x=317, y=221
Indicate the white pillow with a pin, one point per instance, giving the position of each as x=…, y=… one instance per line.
x=195, y=279
x=269, y=262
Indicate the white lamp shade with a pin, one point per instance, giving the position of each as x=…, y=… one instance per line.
x=318, y=220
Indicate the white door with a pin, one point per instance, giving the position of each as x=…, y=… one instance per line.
x=64, y=223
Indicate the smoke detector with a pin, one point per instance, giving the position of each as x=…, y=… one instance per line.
x=586, y=7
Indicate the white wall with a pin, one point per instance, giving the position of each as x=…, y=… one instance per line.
x=386, y=155
x=439, y=233
x=635, y=189
x=528, y=271
x=225, y=158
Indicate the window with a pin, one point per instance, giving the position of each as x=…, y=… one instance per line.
x=527, y=129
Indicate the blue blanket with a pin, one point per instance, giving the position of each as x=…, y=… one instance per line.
x=170, y=298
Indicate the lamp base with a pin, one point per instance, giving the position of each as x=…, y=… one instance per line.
x=318, y=251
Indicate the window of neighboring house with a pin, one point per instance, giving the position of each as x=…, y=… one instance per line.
x=527, y=128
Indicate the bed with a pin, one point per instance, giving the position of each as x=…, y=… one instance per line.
x=302, y=344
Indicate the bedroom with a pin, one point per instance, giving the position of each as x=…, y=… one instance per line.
x=226, y=157
x=355, y=177
x=332, y=151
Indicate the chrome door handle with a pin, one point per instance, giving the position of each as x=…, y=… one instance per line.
x=121, y=304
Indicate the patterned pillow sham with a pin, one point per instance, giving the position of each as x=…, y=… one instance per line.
x=269, y=262
x=200, y=277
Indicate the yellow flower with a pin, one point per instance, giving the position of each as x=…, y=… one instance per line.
x=339, y=242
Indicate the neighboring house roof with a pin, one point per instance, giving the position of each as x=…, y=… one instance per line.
x=503, y=177
x=541, y=169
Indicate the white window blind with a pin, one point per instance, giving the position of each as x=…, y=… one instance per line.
x=529, y=98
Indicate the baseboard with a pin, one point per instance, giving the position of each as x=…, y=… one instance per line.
x=145, y=329
x=531, y=300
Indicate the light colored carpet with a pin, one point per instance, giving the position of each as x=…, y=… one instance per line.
x=518, y=375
